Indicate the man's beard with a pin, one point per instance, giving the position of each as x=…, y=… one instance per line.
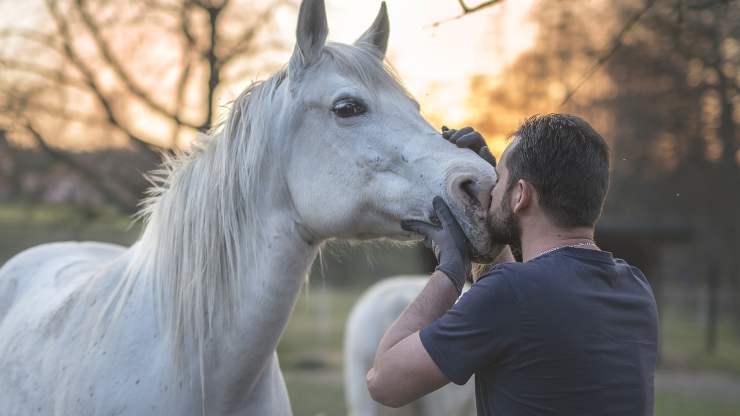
x=504, y=226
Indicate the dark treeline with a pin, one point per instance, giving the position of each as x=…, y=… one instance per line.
x=667, y=99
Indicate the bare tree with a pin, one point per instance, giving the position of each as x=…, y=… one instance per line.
x=466, y=10
x=146, y=74
x=666, y=94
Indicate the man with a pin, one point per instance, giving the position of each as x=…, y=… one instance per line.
x=568, y=331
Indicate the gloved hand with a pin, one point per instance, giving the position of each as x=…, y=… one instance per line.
x=471, y=139
x=450, y=246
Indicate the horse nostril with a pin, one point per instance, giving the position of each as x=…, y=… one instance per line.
x=470, y=188
x=472, y=191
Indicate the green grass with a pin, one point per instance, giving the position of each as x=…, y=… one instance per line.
x=316, y=392
x=683, y=344
x=315, y=332
x=311, y=353
x=311, y=348
x=669, y=403
x=58, y=214
x=24, y=226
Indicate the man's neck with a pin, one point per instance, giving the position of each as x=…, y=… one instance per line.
x=540, y=238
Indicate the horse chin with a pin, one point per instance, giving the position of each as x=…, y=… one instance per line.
x=485, y=251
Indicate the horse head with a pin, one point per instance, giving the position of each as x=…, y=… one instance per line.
x=362, y=158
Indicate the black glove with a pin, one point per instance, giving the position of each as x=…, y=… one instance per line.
x=471, y=139
x=448, y=242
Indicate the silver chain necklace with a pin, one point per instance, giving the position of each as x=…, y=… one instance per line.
x=585, y=243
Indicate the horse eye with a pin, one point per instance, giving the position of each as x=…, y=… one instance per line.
x=348, y=108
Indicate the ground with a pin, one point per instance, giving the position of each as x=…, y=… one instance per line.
x=689, y=381
x=311, y=357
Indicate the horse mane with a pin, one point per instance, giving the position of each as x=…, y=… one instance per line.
x=203, y=201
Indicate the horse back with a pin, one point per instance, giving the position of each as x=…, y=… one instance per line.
x=43, y=266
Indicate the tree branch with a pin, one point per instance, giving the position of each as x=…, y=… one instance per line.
x=39, y=37
x=46, y=73
x=180, y=93
x=91, y=176
x=616, y=43
x=122, y=74
x=245, y=38
x=466, y=10
x=91, y=82
x=241, y=47
x=214, y=66
x=705, y=4
x=185, y=24
x=55, y=111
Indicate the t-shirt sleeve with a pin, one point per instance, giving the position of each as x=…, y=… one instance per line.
x=477, y=332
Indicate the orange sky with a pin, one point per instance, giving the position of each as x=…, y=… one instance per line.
x=436, y=63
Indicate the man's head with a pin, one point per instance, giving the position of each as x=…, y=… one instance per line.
x=557, y=165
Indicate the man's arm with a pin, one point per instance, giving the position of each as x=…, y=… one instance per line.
x=403, y=370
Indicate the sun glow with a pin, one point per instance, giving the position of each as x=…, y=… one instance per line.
x=436, y=62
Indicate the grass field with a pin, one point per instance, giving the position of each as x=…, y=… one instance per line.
x=689, y=381
x=311, y=357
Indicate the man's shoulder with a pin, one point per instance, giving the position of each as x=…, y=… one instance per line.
x=538, y=278
x=628, y=269
x=504, y=278
x=511, y=272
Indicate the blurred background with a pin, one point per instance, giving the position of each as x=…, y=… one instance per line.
x=91, y=93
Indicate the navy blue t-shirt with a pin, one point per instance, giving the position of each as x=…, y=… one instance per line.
x=572, y=332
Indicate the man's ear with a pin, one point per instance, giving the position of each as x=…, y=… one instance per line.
x=311, y=36
x=523, y=196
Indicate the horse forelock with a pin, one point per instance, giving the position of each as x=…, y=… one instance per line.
x=364, y=66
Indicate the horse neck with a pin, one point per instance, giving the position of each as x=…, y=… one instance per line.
x=273, y=283
x=222, y=247
x=238, y=357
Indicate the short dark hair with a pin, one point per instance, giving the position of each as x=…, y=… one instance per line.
x=567, y=162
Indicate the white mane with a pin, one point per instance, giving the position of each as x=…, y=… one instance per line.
x=203, y=203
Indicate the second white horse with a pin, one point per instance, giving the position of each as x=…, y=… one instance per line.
x=371, y=316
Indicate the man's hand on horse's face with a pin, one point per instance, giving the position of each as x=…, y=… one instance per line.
x=468, y=138
x=450, y=246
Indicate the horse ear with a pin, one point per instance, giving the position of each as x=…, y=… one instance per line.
x=310, y=34
x=376, y=37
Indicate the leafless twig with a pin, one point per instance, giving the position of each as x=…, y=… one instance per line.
x=90, y=175
x=616, y=43
x=91, y=81
x=118, y=68
x=42, y=72
x=466, y=10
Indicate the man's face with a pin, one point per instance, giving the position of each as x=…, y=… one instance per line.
x=502, y=223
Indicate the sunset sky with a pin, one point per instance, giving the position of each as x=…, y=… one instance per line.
x=435, y=63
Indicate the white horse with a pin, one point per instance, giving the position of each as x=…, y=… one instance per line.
x=186, y=321
x=370, y=317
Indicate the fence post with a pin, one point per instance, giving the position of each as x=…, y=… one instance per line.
x=712, y=308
